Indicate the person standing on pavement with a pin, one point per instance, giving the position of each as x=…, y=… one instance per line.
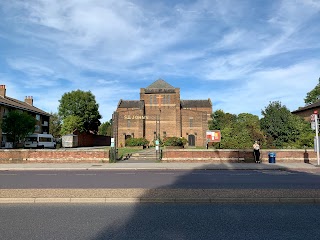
x=256, y=152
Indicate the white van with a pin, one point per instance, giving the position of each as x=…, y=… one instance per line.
x=38, y=140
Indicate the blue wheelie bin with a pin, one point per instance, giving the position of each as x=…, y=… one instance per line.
x=272, y=157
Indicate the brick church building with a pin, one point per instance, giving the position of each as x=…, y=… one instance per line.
x=161, y=113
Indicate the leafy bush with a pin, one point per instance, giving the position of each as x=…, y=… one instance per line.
x=132, y=142
x=174, y=141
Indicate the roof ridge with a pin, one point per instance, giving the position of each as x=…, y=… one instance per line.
x=22, y=105
x=160, y=83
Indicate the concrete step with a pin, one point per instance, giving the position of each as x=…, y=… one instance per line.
x=148, y=154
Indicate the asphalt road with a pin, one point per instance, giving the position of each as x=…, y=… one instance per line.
x=159, y=221
x=197, y=179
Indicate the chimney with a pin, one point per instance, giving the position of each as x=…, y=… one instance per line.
x=29, y=100
x=3, y=90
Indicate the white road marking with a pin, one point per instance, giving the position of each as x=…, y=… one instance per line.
x=46, y=174
x=7, y=174
x=202, y=173
x=164, y=173
x=126, y=173
x=240, y=174
x=86, y=174
x=277, y=172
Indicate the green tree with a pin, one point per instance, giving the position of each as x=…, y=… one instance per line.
x=83, y=105
x=313, y=95
x=247, y=130
x=17, y=125
x=55, y=124
x=284, y=129
x=237, y=131
x=220, y=120
x=302, y=134
x=70, y=124
x=106, y=128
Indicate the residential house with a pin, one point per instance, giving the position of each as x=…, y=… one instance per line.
x=7, y=104
x=308, y=110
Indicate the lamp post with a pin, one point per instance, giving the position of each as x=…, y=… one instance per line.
x=317, y=135
x=159, y=97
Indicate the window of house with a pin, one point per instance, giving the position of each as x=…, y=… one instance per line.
x=5, y=112
x=37, y=128
x=38, y=117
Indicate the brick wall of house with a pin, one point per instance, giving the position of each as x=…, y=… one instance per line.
x=306, y=114
x=56, y=155
x=194, y=155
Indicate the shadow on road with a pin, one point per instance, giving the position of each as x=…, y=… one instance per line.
x=214, y=221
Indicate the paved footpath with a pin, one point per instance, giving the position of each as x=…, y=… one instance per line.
x=159, y=166
x=160, y=195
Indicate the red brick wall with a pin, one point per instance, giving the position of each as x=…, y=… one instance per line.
x=198, y=127
x=55, y=155
x=307, y=113
x=168, y=117
x=135, y=124
x=90, y=140
x=169, y=155
x=190, y=155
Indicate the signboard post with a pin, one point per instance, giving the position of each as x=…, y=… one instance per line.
x=157, y=149
x=213, y=136
x=317, y=135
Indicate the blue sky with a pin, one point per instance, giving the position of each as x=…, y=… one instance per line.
x=241, y=54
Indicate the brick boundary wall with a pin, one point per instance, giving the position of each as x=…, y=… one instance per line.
x=243, y=155
x=54, y=155
x=76, y=155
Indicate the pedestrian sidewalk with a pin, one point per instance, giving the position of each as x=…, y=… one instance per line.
x=158, y=166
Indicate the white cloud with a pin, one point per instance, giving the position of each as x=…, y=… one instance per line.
x=106, y=46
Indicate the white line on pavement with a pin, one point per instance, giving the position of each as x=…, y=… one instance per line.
x=126, y=173
x=46, y=174
x=201, y=173
x=86, y=174
x=164, y=173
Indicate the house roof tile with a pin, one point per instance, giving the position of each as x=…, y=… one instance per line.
x=14, y=103
x=310, y=106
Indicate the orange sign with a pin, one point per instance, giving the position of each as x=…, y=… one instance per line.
x=213, y=136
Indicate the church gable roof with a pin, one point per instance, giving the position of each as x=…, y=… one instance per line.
x=131, y=104
x=160, y=84
x=196, y=103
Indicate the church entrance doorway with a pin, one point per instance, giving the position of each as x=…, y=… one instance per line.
x=127, y=137
x=191, y=140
